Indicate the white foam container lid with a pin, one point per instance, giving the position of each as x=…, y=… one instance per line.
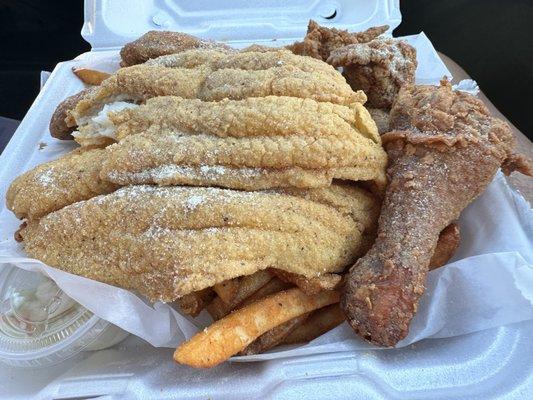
x=492, y=364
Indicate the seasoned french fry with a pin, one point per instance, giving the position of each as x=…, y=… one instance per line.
x=249, y=285
x=90, y=76
x=228, y=289
x=448, y=242
x=273, y=337
x=234, y=332
x=318, y=323
x=218, y=309
x=273, y=286
x=309, y=285
x=193, y=303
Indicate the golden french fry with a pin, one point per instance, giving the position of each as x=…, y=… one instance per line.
x=448, y=242
x=193, y=303
x=309, y=285
x=250, y=284
x=218, y=309
x=234, y=332
x=273, y=337
x=273, y=286
x=318, y=323
x=90, y=76
x=228, y=289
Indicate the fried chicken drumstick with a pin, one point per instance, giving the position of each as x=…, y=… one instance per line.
x=444, y=149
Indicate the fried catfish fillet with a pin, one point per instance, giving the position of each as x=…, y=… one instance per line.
x=141, y=82
x=55, y=184
x=184, y=239
x=248, y=61
x=58, y=126
x=158, y=43
x=255, y=143
x=444, y=149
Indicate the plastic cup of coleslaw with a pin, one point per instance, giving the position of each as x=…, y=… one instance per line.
x=41, y=326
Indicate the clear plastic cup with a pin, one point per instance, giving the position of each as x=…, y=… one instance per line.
x=41, y=326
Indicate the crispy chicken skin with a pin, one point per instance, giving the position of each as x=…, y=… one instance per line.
x=184, y=239
x=446, y=246
x=379, y=68
x=444, y=149
x=158, y=43
x=381, y=118
x=320, y=41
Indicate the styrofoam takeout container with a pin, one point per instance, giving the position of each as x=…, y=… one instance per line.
x=494, y=363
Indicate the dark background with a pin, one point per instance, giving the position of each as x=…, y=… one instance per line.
x=490, y=39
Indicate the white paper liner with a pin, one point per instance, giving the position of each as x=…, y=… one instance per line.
x=468, y=86
x=488, y=284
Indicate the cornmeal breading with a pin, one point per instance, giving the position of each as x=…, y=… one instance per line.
x=250, y=61
x=256, y=143
x=212, y=75
x=141, y=82
x=55, y=184
x=184, y=239
x=157, y=43
x=255, y=116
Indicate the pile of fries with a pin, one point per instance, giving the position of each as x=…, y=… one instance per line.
x=257, y=312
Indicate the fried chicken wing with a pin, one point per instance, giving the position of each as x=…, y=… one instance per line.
x=379, y=68
x=320, y=41
x=184, y=239
x=158, y=43
x=255, y=143
x=444, y=149
x=55, y=184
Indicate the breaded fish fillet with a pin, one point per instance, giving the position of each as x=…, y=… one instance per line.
x=249, y=61
x=141, y=82
x=58, y=127
x=212, y=76
x=256, y=143
x=251, y=117
x=55, y=184
x=157, y=43
x=184, y=239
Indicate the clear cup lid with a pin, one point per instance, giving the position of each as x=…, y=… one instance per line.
x=35, y=313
